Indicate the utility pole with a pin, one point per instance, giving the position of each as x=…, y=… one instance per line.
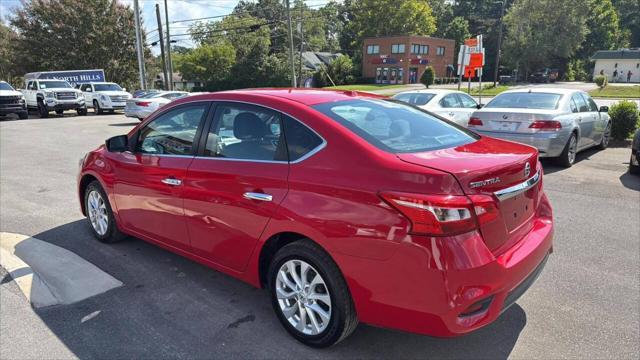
x=293, y=70
x=143, y=84
x=301, y=42
x=164, y=61
x=497, y=67
x=169, y=64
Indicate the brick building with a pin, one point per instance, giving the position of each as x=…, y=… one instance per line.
x=402, y=59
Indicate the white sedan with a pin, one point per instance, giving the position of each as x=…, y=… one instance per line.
x=144, y=105
x=450, y=104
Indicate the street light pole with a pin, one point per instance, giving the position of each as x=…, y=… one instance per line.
x=139, y=51
x=293, y=70
x=497, y=67
x=169, y=64
x=301, y=42
x=164, y=61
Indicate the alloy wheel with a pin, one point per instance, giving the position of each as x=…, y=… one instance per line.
x=573, y=149
x=97, y=210
x=606, y=136
x=303, y=297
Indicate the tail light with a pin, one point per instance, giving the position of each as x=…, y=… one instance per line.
x=443, y=215
x=546, y=125
x=474, y=121
x=143, y=103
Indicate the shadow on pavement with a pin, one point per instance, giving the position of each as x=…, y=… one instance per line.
x=550, y=165
x=630, y=181
x=171, y=307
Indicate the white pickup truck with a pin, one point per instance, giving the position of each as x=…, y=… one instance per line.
x=104, y=96
x=47, y=95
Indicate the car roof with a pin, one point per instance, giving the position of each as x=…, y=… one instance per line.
x=101, y=83
x=306, y=96
x=431, y=91
x=548, y=90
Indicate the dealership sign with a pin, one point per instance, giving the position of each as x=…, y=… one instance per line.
x=72, y=76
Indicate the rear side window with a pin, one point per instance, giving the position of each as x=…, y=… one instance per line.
x=525, y=100
x=580, y=102
x=450, y=101
x=467, y=101
x=590, y=103
x=300, y=139
x=394, y=126
x=415, y=98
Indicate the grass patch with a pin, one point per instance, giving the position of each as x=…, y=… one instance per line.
x=365, y=87
x=618, y=92
x=487, y=90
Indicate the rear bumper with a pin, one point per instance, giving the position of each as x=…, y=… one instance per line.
x=549, y=144
x=136, y=113
x=431, y=285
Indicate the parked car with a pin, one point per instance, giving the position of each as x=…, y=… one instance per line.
x=12, y=101
x=545, y=75
x=144, y=105
x=450, y=104
x=634, y=162
x=400, y=220
x=104, y=96
x=46, y=95
x=139, y=93
x=557, y=122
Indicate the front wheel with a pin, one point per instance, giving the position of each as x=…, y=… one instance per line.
x=100, y=215
x=82, y=111
x=310, y=296
x=59, y=112
x=633, y=169
x=604, y=142
x=96, y=108
x=42, y=110
x=23, y=115
x=568, y=156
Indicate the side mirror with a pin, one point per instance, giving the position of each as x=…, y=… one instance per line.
x=479, y=106
x=124, y=89
x=118, y=143
x=604, y=109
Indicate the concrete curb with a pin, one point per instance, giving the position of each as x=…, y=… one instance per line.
x=48, y=274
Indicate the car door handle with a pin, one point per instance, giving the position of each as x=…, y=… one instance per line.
x=579, y=118
x=451, y=114
x=257, y=196
x=172, y=181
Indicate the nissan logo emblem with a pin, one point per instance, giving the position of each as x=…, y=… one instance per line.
x=527, y=170
x=505, y=116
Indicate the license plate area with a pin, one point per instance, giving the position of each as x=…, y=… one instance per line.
x=518, y=209
x=505, y=125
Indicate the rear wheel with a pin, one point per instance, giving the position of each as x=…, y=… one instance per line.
x=310, y=296
x=633, y=169
x=100, y=215
x=23, y=115
x=604, y=142
x=59, y=112
x=568, y=156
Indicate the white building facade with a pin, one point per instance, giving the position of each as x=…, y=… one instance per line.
x=618, y=62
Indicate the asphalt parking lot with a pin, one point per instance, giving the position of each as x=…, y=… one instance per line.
x=584, y=305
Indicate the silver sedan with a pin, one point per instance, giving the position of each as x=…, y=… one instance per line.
x=558, y=122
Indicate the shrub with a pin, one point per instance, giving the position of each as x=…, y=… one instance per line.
x=428, y=76
x=624, y=119
x=601, y=81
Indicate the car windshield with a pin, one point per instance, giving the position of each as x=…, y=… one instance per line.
x=5, y=86
x=54, y=84
x=396, y=127
x=525, y=100
x=107, y=87
x=415, y=98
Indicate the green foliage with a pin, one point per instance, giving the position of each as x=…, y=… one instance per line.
x=9, y=68
x=624, y=119
x=340, y=70
x=601, y=81
x=428, y=76
x=578, y=70
x=71, y=34
x=209, y=63
x=603, y=29
x=629, y=17
x=536, y=35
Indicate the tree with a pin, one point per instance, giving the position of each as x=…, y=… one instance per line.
x=428, y=76
x=458, y=30
x=604, y=29
x=535, y=37
x=629, y=15
x=8, y=64
x=340, y=70
x=210, y=63
x=71, y=34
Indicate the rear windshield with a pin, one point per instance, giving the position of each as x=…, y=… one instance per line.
x=5, y=86
x=54, y=84
x=107, y=87
x=396, y=127
x=525, y=100
x=414, y=98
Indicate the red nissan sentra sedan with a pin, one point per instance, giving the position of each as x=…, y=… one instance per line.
x=348, y=207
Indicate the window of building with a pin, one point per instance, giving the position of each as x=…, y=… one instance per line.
x=419, y=49
x=397, y=49
x=440, y=51
x=373, y=49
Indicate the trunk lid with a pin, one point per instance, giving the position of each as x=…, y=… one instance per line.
x=511, y=120
x=486, y=167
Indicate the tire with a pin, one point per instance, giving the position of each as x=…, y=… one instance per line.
x=23, y=115
x=633, y=169
x=567, y=158
x=107, y=233
x=60, y=112
x=604, y=142
x=42, y=110
x=82, y=111
x=330, y=297
x=112, y=111
x=96, y=108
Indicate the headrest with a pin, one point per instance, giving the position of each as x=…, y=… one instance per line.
x=248, y=125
